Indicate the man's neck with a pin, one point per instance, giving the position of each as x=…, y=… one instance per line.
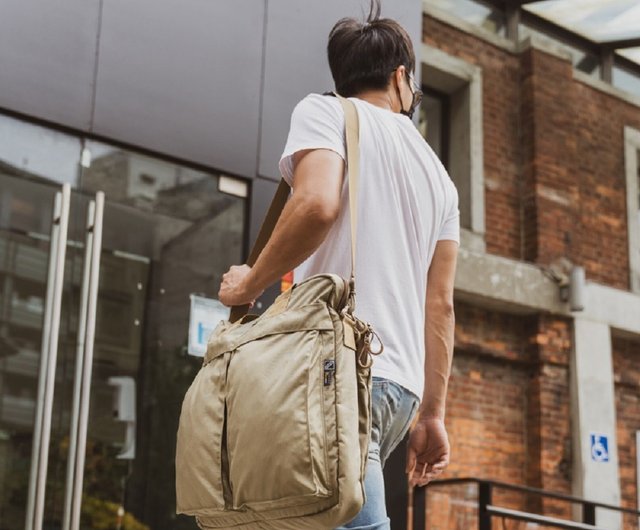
x=379, y=98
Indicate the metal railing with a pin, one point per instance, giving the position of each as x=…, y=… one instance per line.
x=487, y=510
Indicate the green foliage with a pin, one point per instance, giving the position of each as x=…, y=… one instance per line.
x=98, y=514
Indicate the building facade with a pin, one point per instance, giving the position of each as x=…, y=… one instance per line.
x=177, y=113
x=544, y=392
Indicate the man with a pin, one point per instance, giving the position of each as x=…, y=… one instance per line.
x=407, y=243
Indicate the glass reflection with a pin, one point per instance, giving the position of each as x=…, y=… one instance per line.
x=37, y=153
x=168, y=232
x=434, y=122
x=626, y=80
x=34, y=161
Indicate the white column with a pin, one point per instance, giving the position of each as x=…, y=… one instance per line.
x=596, y=471
x=638, y=471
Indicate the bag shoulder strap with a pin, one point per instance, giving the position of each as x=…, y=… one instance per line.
x=352, y=168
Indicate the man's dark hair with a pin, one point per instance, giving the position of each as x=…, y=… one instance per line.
x=362, y=55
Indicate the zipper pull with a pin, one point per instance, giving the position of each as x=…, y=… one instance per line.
x=329, y=371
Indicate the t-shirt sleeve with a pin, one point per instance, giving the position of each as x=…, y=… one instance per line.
x=451, y=225
x=317, y=122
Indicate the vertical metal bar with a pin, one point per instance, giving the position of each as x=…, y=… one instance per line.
x=83, y=415
x=588, y=513
x=484, y=499
x=43, y=459
x=77, y=380
x=606, y=65
x=44, y=361
x=513, y=21
x=419, y=508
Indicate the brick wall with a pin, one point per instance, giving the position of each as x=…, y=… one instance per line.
x=554, y=188
x=554, y=158
x=507, y=412
x=548, y=414
x=488, y=395
x=501, y=129
x=601, y=242
x=626, y=369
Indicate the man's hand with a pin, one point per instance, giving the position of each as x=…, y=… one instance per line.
x=428, y=451
x=235, y=289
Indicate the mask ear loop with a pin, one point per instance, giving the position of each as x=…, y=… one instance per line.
x=407, y=113
x=402, y=111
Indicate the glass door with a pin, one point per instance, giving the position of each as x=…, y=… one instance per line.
x=168, y=233
x=39, y=240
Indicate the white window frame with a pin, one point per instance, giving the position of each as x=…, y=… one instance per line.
x=463, y=81
x=632, y=164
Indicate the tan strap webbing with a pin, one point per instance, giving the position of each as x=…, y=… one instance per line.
x=282, y=194
x=352, y=134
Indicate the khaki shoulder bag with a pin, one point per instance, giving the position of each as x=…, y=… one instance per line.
x=275, y=428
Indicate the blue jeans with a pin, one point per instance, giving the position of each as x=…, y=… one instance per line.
x=392, y=409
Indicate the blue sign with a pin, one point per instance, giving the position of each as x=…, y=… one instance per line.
x=206, y=314
x=599, y=447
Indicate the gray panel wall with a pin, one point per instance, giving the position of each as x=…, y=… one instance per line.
x=183, y=78
x=47, y=58
x=296, y=59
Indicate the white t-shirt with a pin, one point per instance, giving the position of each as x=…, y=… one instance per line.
x=406, y=203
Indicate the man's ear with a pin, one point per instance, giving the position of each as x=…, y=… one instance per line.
x=400, y=74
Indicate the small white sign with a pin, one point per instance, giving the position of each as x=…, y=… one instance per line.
x=599, y=447
x=206, y=314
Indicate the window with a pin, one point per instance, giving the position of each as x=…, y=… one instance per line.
x=451, y=121
x=600, y=22
x=626, y=80
x=632, y=171
x=434, y=122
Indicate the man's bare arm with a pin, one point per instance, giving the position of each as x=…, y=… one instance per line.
x=428, y=451
x=439, y=328
x=303, y=225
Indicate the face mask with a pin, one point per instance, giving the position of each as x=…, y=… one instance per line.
x=415, y=102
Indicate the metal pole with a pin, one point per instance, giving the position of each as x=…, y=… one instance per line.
x=43, y=448
x=83, y=416
x=419, y=508
x=484, y=500
x=77, y=380
x=513, y=21
x=44, y=360
x=606, y=65
x=588, y=513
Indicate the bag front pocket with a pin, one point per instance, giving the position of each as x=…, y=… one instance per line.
x=199, y=488
x=276, y=430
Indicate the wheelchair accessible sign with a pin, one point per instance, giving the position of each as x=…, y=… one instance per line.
x=599, y=447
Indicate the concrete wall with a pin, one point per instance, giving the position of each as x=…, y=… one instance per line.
x=596, y=471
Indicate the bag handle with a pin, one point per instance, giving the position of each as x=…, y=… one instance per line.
x=352, y=130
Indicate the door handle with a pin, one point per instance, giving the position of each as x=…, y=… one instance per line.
x=84, y=364
x=48, y=358
x=77, y=380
